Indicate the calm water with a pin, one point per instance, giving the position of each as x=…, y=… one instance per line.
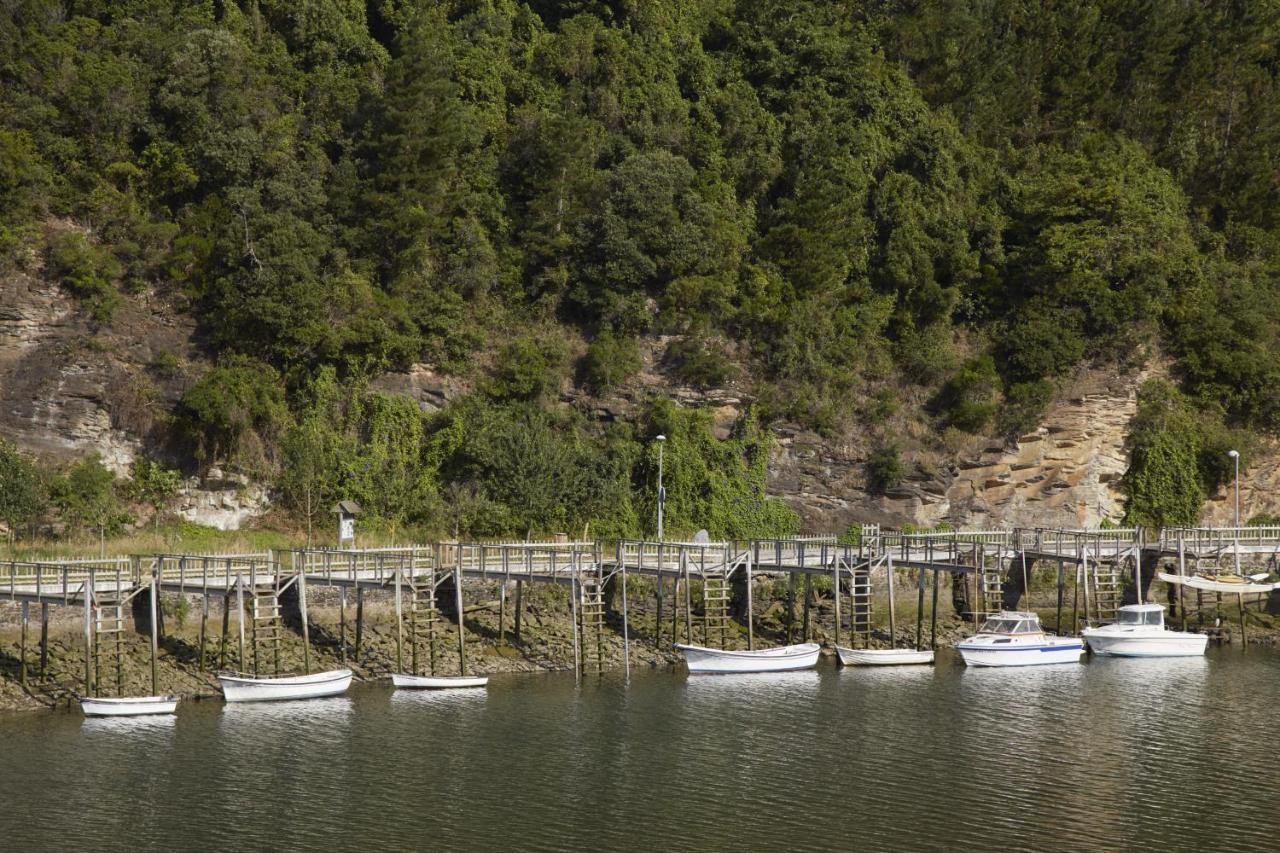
x=1155, y=755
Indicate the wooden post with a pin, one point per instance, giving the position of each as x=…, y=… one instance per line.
x=204, y=626
x=518, y=607
x=44, y=637
x=933, y=612
x=573, y=615
x=808, y=594
x=688, y=606
x=835, y=586
x=457, y=594
x=240, y=620
x=1057, y=624
x=1244, y=639
x=1182, y=571
x=1075, y=602
x=502, y=608
x=919, y=608
x=400, y=625
x=893, y=621
x=226, y=630
x=751, y=631
x=791, y=605
x=626, y=630
x=155, y=633
x=657, y=625
x=22, y=653
x=359, y=621
x=88, y=635
x=342, y=623
x=675, y=608
x=301, y=581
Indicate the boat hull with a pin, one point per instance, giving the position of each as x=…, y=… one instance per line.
x=883, y=657
x=129, y=706
x=1168, y=644
x=436, y=682
x=780, y=659
x=1029, y=655
x=240, y=689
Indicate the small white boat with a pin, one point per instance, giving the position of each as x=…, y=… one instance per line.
x=780, y=659
x=1016, y=639
x=1139, y=632
x=437, y=682
x=883, y=657
x=239, y=688
x=128, y=706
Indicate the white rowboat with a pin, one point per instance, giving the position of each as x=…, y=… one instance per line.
x=238, y=688
x=781, y=659
x=883, y=657
x=437, y=682
x=1139, y=632
x=128, y=706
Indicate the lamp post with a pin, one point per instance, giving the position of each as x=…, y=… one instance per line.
x=1235, y=457
x=662, y=493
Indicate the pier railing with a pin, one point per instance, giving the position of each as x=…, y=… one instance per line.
x=64, y=579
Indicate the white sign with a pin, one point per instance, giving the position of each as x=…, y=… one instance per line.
x=346, y=529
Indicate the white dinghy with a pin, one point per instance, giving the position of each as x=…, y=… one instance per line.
x=437, y=682
x=239, y=688
x=1139, y=632
x=780, y=659
x=883, y=657
x=1016, y=639
x=128, y=706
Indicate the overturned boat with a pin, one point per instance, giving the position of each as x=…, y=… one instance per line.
x=437, y=682
x=128, y=706
x=883, y=657
x=1016, y=639
x=1139, y=632
x=242, y=688
x=780, y=659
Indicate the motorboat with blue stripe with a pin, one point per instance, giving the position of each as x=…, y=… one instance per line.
x=1012, y=638
x=1139, y=632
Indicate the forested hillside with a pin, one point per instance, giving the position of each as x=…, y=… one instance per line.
x=854, y=213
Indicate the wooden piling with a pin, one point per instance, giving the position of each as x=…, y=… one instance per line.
x=626, y=630
x=688, y=606
x=240, y=622
x=502, y=607
x=657, y=622
x=893, y=620
x=359, y=621
x=22, y=646
x=1057, y=624
x=1244, y=638
x=835, y=587
x=400, y=625
x=791, y=606
x=573, y=613
x=204, y=627
x=44, y=637
x=675, y=609
x=88, y=635
x=751, y=630
x=226, y=630
x=155, y=632
x=919, y=608
x=457, y=595
x=933, y=612
x=808, y=594
x=301, y=581
x=342, y=624
x=518, y=608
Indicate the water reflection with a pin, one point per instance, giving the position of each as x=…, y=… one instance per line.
x=143, y=727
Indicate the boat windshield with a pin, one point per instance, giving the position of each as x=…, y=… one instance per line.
x=1001, y=626
x=1140, y=617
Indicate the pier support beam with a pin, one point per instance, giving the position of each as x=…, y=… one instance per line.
x=519, y=606
x=204, y=627
x=359, y=621
x=44, y=637
x=22, y=647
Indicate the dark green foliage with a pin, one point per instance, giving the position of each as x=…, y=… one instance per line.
x=234, y=412
x=699, y=361
x=529, y=368
x=610, y=360
x=22, y=493
x=885, y=468
x=969, y=398
x=1024, y=403
x=86, y=498
x=153, y=484
x=87, y=271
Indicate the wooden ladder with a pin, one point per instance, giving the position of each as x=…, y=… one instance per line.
x=1106, y=591
x=267, y=629
x=991, y=591
x=860, y=610
x=108, y=643
x=591, y=619
x=715, y=609
x=424, y=613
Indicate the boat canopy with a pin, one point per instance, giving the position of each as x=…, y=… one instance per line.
x=1141, y=614
x=1009, y=622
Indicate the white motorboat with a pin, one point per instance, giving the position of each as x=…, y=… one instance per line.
x=780, y=659
x=128, y=706
x=241, y=688
x=437, y=682
x=1139, y=632
x=1016, y=639
x=883, y=657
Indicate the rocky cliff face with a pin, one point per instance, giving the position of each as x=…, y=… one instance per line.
x=67, y=389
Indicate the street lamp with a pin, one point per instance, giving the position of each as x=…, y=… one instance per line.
x=1235, y=457
x=662, y=493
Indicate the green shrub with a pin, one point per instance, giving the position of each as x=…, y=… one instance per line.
x=968, y=399
x=87, y=271
x=699, y=362
x=1024, y=403
x=22, y=493
x=885, y=469
x=529, y=368
x=85, y=495
x=234, y=412
x=610, y=361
